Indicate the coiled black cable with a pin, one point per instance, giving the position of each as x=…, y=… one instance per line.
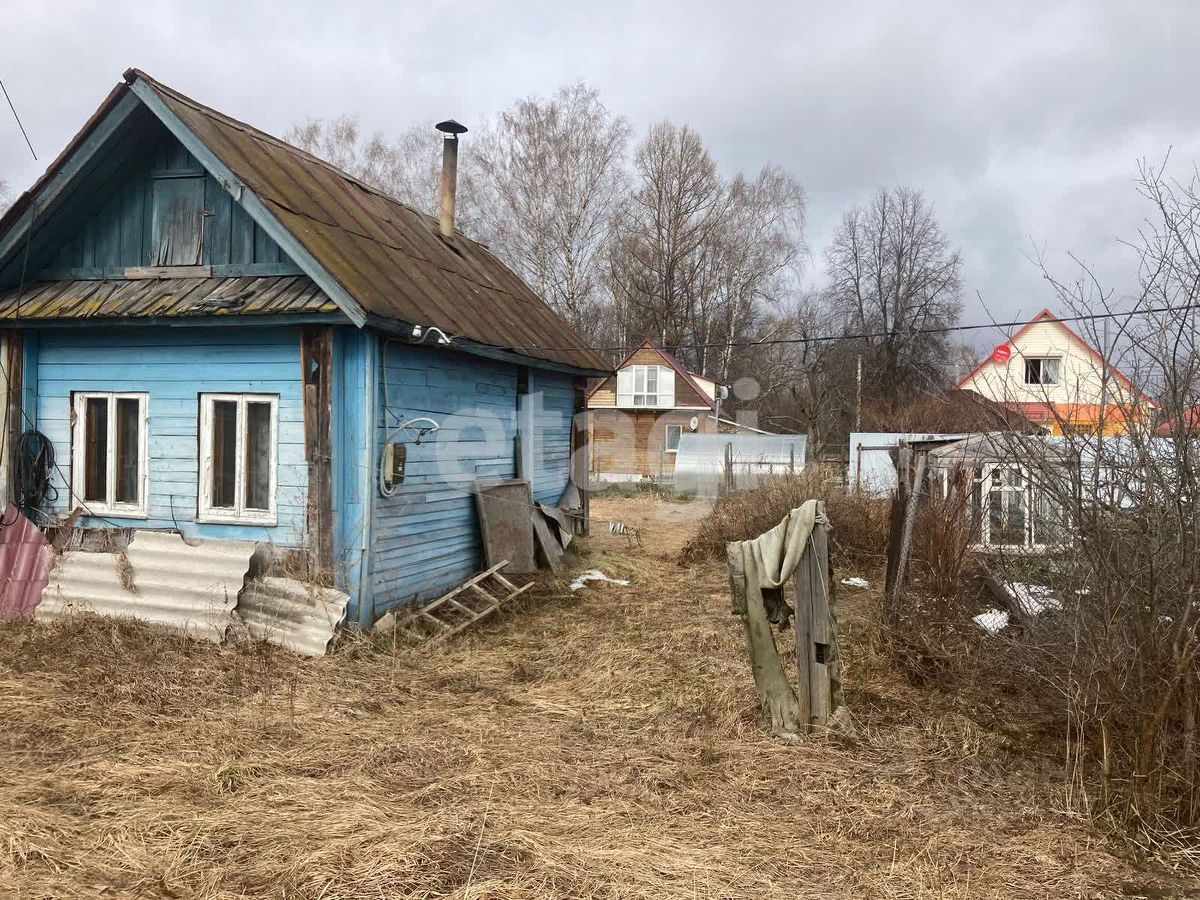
x=33, y=463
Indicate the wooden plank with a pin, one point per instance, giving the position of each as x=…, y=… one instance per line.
x=546, y=542
x=581, y=453
x=137, y=273
x=316, y=361
x=505, y=521
x=15, y=368
x=823, y=652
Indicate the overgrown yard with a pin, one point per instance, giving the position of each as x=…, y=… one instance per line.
x=601, y=744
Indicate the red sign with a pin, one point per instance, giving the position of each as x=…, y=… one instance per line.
x=1002, y=354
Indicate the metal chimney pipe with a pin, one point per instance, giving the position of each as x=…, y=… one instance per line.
x=451, y=130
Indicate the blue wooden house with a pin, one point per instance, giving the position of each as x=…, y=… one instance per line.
x=219, y=333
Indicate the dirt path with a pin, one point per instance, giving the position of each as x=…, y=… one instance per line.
x=601, y=744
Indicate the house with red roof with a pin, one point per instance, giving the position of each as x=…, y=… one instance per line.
x=637, y=416
x=1052, y=376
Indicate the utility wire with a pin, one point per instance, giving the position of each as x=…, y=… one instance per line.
x=825, y=338
x=20, y=125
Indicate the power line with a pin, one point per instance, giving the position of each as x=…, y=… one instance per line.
x=20, y=125
x=825, y=338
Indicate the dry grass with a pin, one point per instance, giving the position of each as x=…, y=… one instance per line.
x=859, y=524
x=596, y=745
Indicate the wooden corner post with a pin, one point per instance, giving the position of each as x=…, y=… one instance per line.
x=316, y=362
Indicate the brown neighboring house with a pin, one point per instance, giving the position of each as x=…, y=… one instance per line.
x=637, y=417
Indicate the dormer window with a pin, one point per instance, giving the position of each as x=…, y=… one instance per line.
x=646, y=387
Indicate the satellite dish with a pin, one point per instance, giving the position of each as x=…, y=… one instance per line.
x=695, y=423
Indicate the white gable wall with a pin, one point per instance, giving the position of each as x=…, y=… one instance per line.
x=1079, y=379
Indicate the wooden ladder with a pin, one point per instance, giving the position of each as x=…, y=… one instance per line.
x=471, y=601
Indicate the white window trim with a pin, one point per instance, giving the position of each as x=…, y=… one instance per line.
x=667, y=438
x=239, y=515
x=139, y=510
x=1033, y=543
x=1043, y=358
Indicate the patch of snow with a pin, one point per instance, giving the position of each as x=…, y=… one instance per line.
x=1034, y=599
x=856, y=582
x=593, y=575
x=993, y=621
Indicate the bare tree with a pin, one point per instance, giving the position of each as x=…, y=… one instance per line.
x=753, y=262
x=892, y=273
x=808, y=383
x=676, y=211
x=700, y=261
x=408, y=168
x=5, y=198
x=549, y=174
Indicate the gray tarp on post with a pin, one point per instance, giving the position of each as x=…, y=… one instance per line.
x=700, y=463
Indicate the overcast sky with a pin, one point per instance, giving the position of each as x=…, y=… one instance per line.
x=1022, y=122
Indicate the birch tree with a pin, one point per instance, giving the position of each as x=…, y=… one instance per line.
x=549, y=175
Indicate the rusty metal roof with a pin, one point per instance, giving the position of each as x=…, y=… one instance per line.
x=174, y=297
x=388, y=256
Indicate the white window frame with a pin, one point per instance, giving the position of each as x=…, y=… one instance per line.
x=667, y=438
x=1056, y=360
x=1033, y=541
x=138, y=510
x=239, y=515
x=634, y=389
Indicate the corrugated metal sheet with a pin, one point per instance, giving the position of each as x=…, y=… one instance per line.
x=871, y=469
x=700, y=462
x=167, y=297
x=191, y=589
x=25, y=559
x=388, y=256
x=298, y=616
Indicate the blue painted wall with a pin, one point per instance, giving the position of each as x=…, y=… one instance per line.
x=425, y=538
x=554, y=407
x=174, y=365
x=117, y=215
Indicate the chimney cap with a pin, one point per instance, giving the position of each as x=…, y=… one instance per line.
x=451, y=127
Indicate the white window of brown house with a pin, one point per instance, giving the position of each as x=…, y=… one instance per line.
x=238, y=458
x=649, y=387
x=1041, y=370
x=109, y=452
x=673, y=433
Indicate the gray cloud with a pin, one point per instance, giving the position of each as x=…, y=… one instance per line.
x=1023, y=121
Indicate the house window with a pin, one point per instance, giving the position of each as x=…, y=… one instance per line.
x=673, y=433
x=238, y=458
x=1012, y=508
x=109, y=453
x=649, y=387
x=1041, y=370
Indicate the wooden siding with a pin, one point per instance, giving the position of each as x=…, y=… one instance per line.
x=685, y=395
x=173, y=366
x=146, y=203
x=425, y=537
x=628, y=442
x=552, y=434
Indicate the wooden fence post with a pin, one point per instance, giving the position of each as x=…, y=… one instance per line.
x=816, y=655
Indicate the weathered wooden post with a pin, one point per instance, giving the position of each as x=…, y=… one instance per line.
x=729, y=467
x=816, y=642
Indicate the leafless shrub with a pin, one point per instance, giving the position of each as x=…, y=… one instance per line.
x=858, y=524
x=944, y=536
